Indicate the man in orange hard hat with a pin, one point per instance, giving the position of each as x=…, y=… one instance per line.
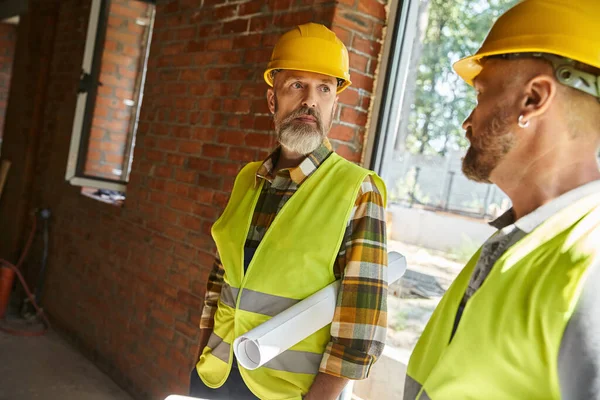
x=296, y=222
x=522, y=320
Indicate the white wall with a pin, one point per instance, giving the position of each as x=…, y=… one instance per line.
x=386, y=379
x=437, y=231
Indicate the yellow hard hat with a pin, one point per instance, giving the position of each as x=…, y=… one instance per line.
x=311, y=48
x=566, y=28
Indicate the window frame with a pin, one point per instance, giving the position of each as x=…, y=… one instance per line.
x=86, y=101
x=392, y=75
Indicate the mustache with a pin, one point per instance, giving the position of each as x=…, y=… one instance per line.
x=302, y=111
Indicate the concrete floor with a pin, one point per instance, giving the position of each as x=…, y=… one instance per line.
x=48, y=368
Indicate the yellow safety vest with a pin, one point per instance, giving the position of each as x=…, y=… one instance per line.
x=294, y=260
x=507, y=342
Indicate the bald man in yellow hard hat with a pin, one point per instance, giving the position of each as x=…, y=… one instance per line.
x=522, y=320
x=295, y=223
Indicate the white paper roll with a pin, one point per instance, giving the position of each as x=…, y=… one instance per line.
x=268, y=340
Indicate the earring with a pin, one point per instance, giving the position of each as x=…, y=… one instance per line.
x=521, y=123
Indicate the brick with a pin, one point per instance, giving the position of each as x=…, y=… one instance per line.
x=186, y=329
x=219, y=44
x=190, y=147
x=260, y=140
x=359, y=62
x=192, y=75
x=181, y=204
x=225, y=168
x=249, y=8
x=237, y=105
x=348, y=153
x=236, y=26
x=225, y=12
x=373, y=8
x=200, y=164
x=242, y=154
x=165, y=334
x=201, y=195
x=241, y=74
x=204, y=134
x=123, y=11
x=361, y=81
x=185, y=176
x=188, y=299
x=190, y=222
x=177, y=188
x=163, y=171
x=342, y=132
x=206, y=181
x=372, y=70
x=349, y=97
x=279, y=5
x=186, y=33
x=216, y=151
x=163, y=317
x=235, y=138
x=175, y=233
x=195, y=46
x=253, y=90
x=353, y=116
x=182, y=132
x=354, y=21
x=167, y=215
x=260, y=106
x=167, y=144
x=365, y=103
x=200, y=117
x=233, y=57
x=259, y=23
x=342, y=33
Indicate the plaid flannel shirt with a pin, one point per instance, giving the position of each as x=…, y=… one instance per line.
x=359, y=326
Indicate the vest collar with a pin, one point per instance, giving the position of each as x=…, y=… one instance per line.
x=535, y=218
x=297, y=174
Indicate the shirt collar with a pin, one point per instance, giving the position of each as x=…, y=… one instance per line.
x=299, y=173
x=535, y=218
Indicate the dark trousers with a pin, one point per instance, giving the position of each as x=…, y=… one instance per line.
x=233, y=389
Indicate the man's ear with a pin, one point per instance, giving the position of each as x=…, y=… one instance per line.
x=539, y=94
x=271, y=100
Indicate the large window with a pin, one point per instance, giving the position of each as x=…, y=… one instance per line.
x=437, y=218
x=110, y=95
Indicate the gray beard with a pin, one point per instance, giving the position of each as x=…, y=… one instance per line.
x=300, y=138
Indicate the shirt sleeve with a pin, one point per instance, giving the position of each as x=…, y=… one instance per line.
x=213, y=291
x=579, y=355
x=359, y=326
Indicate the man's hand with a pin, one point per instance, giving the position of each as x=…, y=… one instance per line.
x=204, y=336
x=326, y=387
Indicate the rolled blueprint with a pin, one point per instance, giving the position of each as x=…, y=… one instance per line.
x=273, y=337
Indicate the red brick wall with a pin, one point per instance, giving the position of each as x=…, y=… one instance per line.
x=8, y=41
x=122, y=63
x=127, y=283
x=359, y=24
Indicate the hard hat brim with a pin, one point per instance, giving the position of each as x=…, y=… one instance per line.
x=269, y=79
x=470, y=67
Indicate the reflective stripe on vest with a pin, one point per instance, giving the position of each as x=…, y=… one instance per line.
x=507, y=342
x=256, y=302
x=219, y=347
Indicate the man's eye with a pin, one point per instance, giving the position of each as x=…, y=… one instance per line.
x=297, y=85
x=325, y=89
